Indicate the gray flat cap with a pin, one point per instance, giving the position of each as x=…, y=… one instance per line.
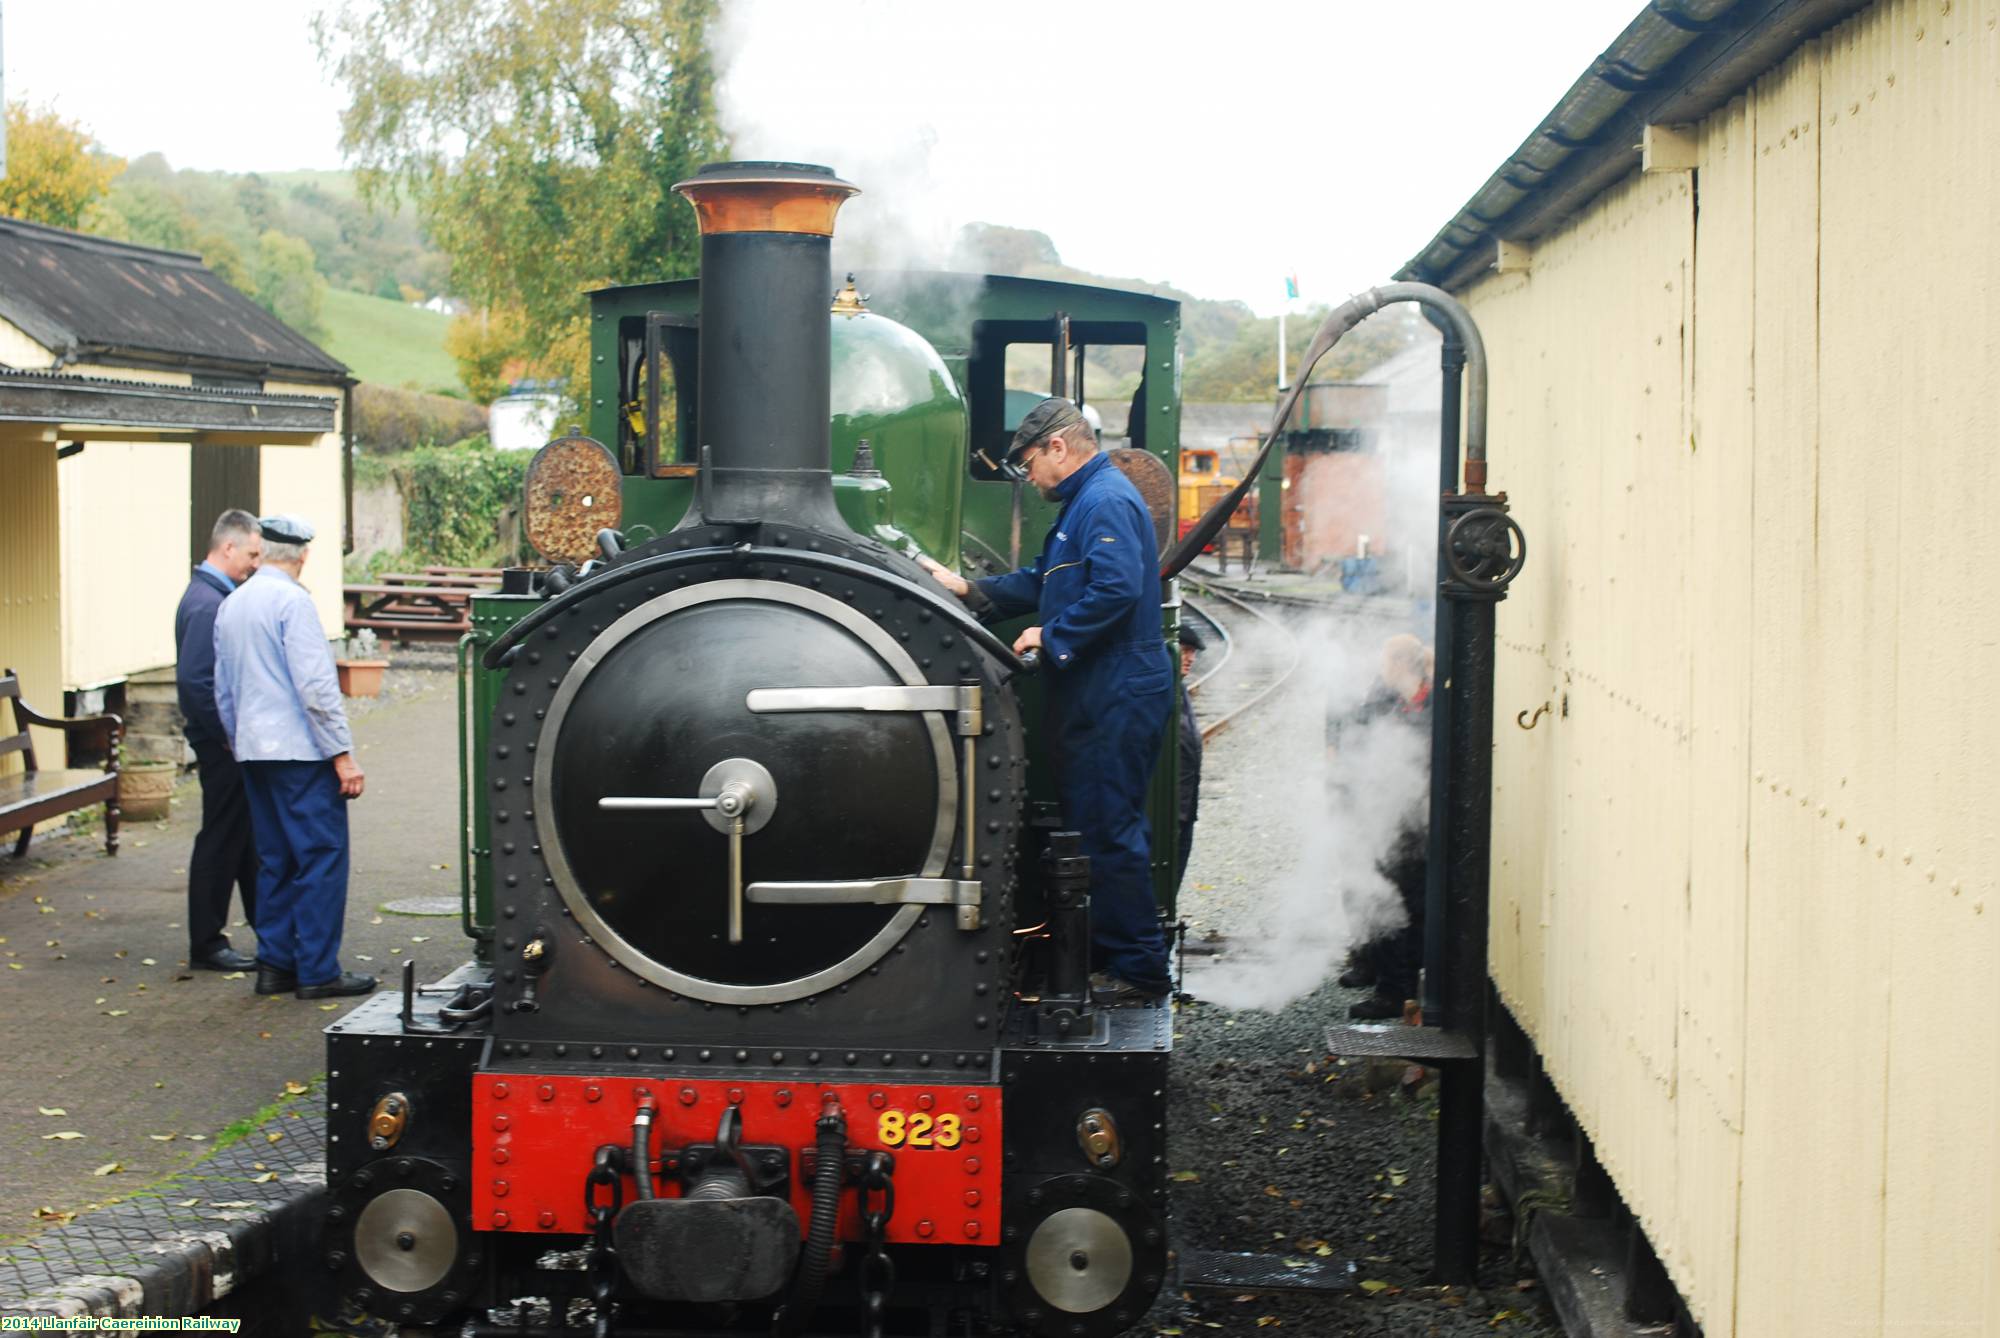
x=1045, y=419
x=285, y=529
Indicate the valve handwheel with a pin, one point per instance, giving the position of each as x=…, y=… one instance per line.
x=1485, y=547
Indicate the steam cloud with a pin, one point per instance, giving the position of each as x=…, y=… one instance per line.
x=1334, y=819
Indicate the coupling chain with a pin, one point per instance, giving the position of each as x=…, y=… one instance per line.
x=878, y=1270
x=602, y=1263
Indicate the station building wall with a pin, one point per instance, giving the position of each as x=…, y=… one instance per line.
x=1744, y=872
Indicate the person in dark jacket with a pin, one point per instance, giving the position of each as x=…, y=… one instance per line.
x=1401, y=697
x=1096, y=587
x=225, y=852
x=1192, y=644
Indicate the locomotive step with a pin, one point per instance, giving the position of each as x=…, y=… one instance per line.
x=1398, y=1040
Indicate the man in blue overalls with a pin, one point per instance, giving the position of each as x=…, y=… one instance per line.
x=1097, y=587
x=279, y=700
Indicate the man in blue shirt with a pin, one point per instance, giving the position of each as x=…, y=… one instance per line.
x=279, y=701
x=1097, y=588
x=224, y=852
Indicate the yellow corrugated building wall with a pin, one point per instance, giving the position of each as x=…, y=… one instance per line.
x=31, y=595
x=1744, y=872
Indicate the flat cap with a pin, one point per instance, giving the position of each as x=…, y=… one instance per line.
x=285, y=529
x=1192, y=638
x=1052, y=415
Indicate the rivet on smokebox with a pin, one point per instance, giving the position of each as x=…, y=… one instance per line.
x=925, y=1101
x=926, y=1229
x=593, y=1092
x=500, y=1156
x=877, y=1100
x=972, y=1166
x=499, y=1091
x=501, y=1219
x=499, y=1189
x=972, y=1101
x=500, y=1122
x=736, y=1096
x=972, y=1231
x=546, y=1091
x=546, y=1220
x=782, y=1096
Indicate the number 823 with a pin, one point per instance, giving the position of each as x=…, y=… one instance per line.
x=916, y=1129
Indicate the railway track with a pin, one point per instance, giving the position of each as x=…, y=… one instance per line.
x=1258, y=655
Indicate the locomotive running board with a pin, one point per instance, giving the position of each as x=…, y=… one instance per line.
x=876, y=892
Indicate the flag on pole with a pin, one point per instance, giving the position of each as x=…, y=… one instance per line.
x=1292, y=287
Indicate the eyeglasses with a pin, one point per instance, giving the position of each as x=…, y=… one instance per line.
x=1017, y=468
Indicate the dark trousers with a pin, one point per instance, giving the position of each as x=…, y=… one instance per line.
x=1108, y=735
x=1399, y=957
x=301, y=823
x=225, y=852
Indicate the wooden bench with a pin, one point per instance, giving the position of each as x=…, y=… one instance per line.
x=35, y=795
x=410, y=610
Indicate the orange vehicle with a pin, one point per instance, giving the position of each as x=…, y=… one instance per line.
x=1202, y=484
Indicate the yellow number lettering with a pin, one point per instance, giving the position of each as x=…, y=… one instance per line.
x=947, y=1131
x=920, y=1130
x=889, y=1129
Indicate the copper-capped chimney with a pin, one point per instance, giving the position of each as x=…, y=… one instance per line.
x=766, y=342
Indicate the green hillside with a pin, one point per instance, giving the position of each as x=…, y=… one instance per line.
x=391, y=343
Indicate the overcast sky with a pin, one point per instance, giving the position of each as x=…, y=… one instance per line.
x=1216, y=147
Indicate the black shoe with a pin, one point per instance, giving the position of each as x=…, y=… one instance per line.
x=270, y=980
x=1376, y=1008
x=349, y=983
x=1110, y=991
x=224, y=958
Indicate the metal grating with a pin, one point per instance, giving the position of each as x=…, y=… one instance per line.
x=1397, y=1040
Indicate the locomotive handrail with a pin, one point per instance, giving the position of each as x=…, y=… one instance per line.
x=659, y=562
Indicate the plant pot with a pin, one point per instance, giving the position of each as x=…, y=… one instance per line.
x=144, y=789
x=360, y=678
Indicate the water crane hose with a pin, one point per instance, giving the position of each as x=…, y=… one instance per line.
x=1332, y=330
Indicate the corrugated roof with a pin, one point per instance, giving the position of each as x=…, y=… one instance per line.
x=86, y=297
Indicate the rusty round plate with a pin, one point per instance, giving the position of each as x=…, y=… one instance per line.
x=1155, y=484
x=572, y=492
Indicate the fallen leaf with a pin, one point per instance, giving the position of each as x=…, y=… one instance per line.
x=420, y=938
x=1323, y=1251
x=1494, y=1323
x=48, y=1214
x=190, y=1203
x=376, y=921
x=328, y=1008
x=1268, y=1321
x=1186, y=1177
x=440, y=866
x=233, y=1203
x=364, y=957
x=148, y=961
x=1371, y=1286
x=103, y=1001
x=53, y=1110
x=163, y=1138
x=117, y=1012
x=1246, y=1296
x=114, y=1167
x=263, y=1035
x=197, y=1138
x=65, y=1136
x=1273, y=1192
x=13, y=966
x=258, y=1166
x=1399, y=1179
x=394, y=952
x=234, y=975
x=294, y=1088
x=269, y=1176
x=273, y=1138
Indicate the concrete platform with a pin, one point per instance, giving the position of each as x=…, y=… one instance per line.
x=197, y=1101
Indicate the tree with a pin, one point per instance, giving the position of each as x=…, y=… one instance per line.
x=287, y=284
x=539, y=143
x=54, y=170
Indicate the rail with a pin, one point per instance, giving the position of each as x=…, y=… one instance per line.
x=1262, y=691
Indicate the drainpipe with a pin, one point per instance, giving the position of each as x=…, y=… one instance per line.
x=347, y=467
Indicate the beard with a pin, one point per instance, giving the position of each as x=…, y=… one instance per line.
x=1048, y=493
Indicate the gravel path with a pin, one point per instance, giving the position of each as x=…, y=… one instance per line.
x=1276, y=1147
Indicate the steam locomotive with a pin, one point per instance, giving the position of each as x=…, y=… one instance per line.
x=778, y=1017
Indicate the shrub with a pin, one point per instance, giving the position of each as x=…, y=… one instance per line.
x=387, y=420
x=462, y=504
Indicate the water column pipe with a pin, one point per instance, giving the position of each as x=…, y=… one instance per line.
x=1480, y=550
